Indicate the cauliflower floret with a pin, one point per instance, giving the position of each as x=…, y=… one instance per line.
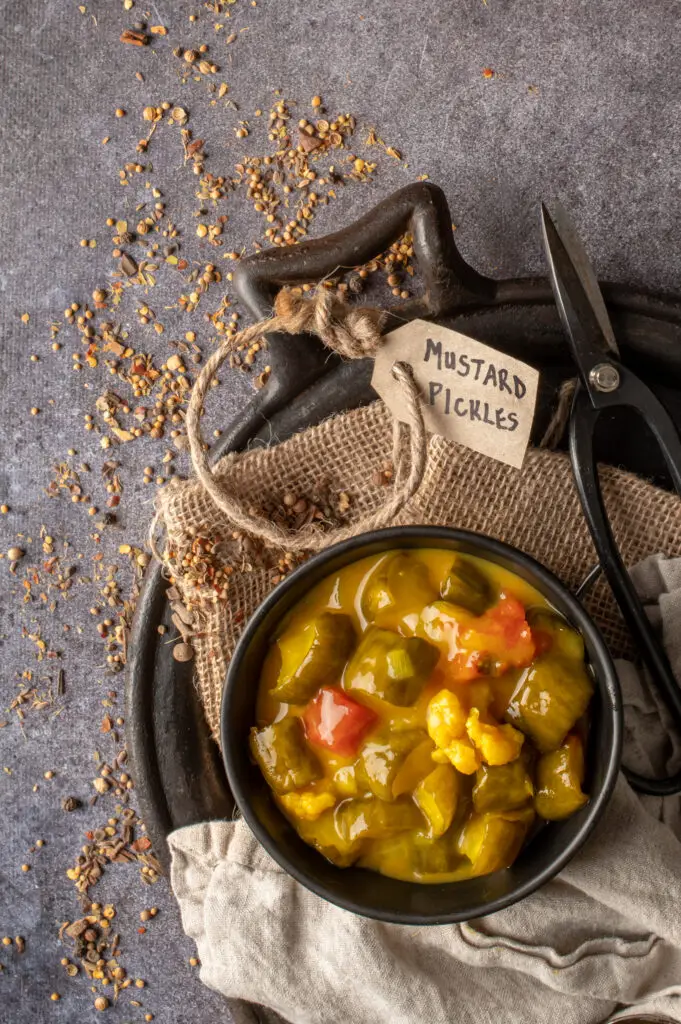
x=498, y=744
x=445, y=718
x=307, y=804
x=462, y=754
x=446, y=723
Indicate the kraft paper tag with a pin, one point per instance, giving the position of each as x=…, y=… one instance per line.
x=471, y=393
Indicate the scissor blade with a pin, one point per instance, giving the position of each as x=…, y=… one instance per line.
x=580, y=261
x=586, y=322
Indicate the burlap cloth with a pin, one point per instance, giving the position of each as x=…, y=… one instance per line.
x=536, y=509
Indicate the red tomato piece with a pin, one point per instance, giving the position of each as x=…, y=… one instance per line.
x=496, y=641
x=337, y=722
x=508, y=618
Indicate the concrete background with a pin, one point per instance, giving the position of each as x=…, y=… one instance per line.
x=583, y=104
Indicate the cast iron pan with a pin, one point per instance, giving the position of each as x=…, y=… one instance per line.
x=177, y=767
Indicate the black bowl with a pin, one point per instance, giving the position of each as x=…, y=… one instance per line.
x=366, y=892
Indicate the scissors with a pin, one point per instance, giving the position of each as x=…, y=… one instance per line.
x=604, y=383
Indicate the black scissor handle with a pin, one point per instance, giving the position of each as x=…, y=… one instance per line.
x=582, y=426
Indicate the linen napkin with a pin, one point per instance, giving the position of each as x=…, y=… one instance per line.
x=601, y=942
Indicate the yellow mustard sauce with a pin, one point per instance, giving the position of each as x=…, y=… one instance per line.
x=477, y=716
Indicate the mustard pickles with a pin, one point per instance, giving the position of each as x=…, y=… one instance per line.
x=420, y=713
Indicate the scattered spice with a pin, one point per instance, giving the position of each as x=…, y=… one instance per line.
x=114, y=843
x=183, y=652
x=134, y=38
x=290, y=168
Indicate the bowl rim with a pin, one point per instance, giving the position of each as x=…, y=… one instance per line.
x=607, y=682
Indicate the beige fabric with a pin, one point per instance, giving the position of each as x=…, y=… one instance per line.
x=602, y=941
x=535, y=508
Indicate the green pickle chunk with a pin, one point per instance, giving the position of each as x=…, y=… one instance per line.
x=440, y=621
x=502, y=787
x=437, y=796
x=550, y=696
x=399, y=579
x=283, y=755
x=325, y=837
x=559, y=781
x=417, y=764
x=313, y=656
x=492, y=842
x=392, y=667
x=375, y=819
x=467, y=586
x=401, y=856
x=382, y=759
x=565, y=641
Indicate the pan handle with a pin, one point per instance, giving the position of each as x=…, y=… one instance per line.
x=421, y=209
x=298, y=361
x=582, y=426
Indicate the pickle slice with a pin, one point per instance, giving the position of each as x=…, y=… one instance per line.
x=502, y=787
x=438, y=857
x=323, y=835
x=417, y=764
x=398, y=580
x=437, y=796
x=492, y=841
x=466, y=585
x=412, y=857
x=555, y=634
x=348, y=780
x=442, y=622
x=559, y=781
x=381, y=760
x=283, y=755
x=549, y=698
x=375, y=819
x=313, y=656
x=392, y=667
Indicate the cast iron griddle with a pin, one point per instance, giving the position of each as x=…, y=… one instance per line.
x=176, y=765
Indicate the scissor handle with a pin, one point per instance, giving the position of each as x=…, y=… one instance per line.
x=582, y=427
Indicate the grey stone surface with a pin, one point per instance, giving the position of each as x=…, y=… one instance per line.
x=583, y=104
